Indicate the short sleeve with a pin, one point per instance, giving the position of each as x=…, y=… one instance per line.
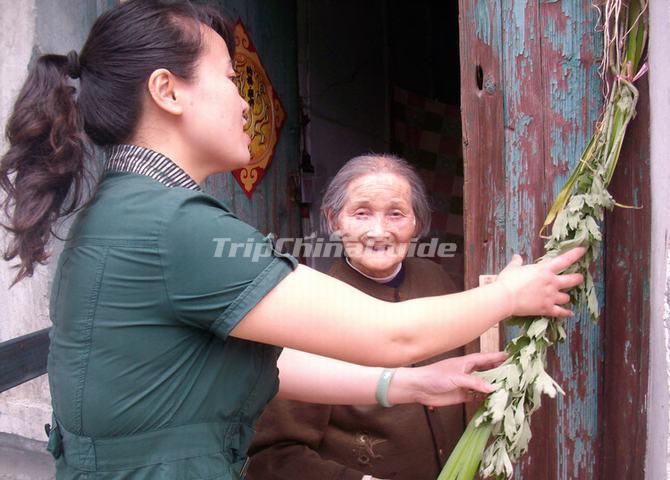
x=216, y=268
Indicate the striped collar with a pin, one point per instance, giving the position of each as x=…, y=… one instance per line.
x=135, y=159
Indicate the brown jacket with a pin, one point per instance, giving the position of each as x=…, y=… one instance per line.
x=302, y=441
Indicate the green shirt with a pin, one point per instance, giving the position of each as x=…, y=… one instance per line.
x=145, y=381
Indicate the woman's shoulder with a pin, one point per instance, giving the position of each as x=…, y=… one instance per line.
x=141, y=193
x=132, y=206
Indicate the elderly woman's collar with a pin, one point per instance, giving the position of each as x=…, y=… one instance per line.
x=382, y=280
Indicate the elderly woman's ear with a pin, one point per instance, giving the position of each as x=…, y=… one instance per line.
x=416, y=227
x=331, y=222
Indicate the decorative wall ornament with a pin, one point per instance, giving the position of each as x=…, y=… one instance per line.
x=266, y=114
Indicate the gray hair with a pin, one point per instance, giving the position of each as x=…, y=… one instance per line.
x=336, y=193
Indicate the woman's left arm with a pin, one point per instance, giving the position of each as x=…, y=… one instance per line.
x=316, y=379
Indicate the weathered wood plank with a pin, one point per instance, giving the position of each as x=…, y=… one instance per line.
x=525, y=179
x=547, y=59
x=482, y=108
x=627, y=313
x=572, y=98
x=23, y=358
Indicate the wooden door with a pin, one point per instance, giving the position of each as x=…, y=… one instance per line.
x=271, y=25
x=531, y=94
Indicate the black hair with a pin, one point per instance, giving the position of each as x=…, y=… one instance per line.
x=52, y=125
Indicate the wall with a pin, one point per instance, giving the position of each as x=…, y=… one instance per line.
x=343, y=74
x=28, y=29
x=17, y=35
x=658, y=427
x=271, y=25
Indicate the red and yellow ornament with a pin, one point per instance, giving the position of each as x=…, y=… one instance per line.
x=266, y=114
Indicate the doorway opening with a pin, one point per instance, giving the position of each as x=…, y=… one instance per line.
x=384, y=76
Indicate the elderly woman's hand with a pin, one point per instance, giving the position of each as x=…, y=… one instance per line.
x=446, y=382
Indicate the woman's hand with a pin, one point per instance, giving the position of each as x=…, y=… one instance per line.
x=446, y=382
x=537, y=289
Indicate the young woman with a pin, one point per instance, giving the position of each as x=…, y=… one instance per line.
x=163, y=348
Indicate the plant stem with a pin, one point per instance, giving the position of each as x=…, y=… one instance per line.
x=466, y=456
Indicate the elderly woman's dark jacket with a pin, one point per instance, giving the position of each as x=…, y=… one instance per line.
x=302, y=441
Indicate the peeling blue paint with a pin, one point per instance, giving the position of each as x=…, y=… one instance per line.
x=626, y=351
x=482, y=21
x=551, y=33
x=570, y=127
x=571, y=104
x=499, y=215
x=518, y=29
x=578, y=411
x=646, y=292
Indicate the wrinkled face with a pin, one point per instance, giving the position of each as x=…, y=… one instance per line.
x=215, y=114
x=377, y=223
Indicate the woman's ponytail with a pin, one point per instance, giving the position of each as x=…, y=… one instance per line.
x=42, y=173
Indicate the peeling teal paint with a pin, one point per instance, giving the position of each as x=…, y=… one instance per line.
x=518, y=30
x=520, y=207
x=499, y=215
x=551, y=32
x=646, y=291
x=577, y=412
x=570, y=125
x=482, y=21
x=555, y=134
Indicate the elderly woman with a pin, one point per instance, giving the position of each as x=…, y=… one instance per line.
x=377, y=204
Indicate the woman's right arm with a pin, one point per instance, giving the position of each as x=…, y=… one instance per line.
x=315, y=313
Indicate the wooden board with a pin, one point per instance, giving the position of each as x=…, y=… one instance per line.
x=23, y=358
x=626, y=316
x=527, y=116
x=570, y=99
x=489, y=341
x=482, y=107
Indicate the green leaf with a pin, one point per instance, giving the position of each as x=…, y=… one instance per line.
x=521, y=322
x=509, y=424
x=564, y=194
x=545, y=384
x=593, y=228
x=526, y=355
x=538, y=327
x=560, y=228
x=525, y=435
x=466, y=456
x=574, y=219
x=576, y=203
x=636, y=36
x=497, y=403
x=513, y=379
x=503, y=464
x=593, y=307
